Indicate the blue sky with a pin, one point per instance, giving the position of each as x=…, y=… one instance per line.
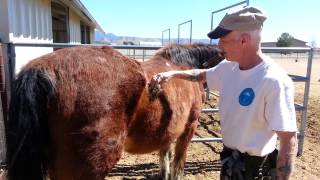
x=148, y=18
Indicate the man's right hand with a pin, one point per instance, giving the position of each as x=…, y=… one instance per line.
x=155, y=84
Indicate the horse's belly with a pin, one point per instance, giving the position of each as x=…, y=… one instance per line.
x=149, y=142
x=156, y=127
x=134, y=146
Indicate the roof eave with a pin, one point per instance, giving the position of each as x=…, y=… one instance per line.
x=83, y=12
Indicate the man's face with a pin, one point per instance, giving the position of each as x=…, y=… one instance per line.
x=231, y=45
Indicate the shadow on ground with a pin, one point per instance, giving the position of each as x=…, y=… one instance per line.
x=150, y=171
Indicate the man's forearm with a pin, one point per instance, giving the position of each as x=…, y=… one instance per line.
x=286, y=157
x=191, y=75
x=156, y=81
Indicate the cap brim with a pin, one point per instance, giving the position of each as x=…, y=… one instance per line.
x=218, y=33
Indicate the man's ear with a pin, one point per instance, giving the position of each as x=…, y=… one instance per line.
x=245, y=38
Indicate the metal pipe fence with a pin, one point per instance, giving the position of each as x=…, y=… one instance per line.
x=162, y=39
x=190, y=34
x=148, y=51
x=246, y=2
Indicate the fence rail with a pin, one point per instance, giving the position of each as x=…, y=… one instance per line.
x=282, y=51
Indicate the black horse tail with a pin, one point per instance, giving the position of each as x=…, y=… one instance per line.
x=27, y=126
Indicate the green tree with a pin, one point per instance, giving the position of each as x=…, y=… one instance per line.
x=313, y=43
x=285, y=40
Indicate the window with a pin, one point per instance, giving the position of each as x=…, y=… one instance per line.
x=60, y=22
x=85, y=33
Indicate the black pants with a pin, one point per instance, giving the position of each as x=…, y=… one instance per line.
x=242, y=166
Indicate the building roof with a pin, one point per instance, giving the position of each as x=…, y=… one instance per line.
x=295, y=43
x=83, y=12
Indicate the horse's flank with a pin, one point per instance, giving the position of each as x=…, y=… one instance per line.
x=155, y=125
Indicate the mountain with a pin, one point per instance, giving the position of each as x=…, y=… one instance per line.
x=98, y=36
x=112, y=36
x=113, y=39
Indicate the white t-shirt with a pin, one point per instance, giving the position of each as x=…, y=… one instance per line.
x=253, y=105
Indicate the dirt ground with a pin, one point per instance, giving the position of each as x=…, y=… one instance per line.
x=202, y=158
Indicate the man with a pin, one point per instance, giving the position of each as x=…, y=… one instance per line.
x=256, y=100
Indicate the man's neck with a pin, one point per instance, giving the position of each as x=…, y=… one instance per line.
x=250, y=61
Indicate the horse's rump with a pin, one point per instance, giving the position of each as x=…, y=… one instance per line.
x=95, y=90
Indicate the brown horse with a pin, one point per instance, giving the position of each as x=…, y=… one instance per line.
x=74, y=111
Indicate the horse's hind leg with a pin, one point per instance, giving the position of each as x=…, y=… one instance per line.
x=88, y=155
x=164, y=158
x=181, y=150
x=107, y=146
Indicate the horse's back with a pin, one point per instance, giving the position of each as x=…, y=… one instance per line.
x=91, y=77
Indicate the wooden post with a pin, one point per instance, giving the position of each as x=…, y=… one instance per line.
x=3, y=109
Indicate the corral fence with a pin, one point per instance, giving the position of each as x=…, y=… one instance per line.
x=141, y=53
x=162, y=36
x=242, y=3
x=190, y=31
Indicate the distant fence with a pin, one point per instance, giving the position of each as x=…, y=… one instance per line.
x=144, y=54
x=139, y=54
x=295, y=56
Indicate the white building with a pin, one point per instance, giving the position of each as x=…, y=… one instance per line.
x=150, y=43
x=44, y=21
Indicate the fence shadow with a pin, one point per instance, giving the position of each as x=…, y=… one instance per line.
x=149, y=171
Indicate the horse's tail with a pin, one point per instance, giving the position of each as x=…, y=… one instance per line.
x=27, y=127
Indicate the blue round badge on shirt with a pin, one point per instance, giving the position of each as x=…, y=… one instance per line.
x=246, y=97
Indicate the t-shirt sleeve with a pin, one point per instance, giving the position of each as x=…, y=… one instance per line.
x=279, y=110
x=213, y=76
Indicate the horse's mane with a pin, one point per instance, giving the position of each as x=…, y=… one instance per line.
x=193, y=55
